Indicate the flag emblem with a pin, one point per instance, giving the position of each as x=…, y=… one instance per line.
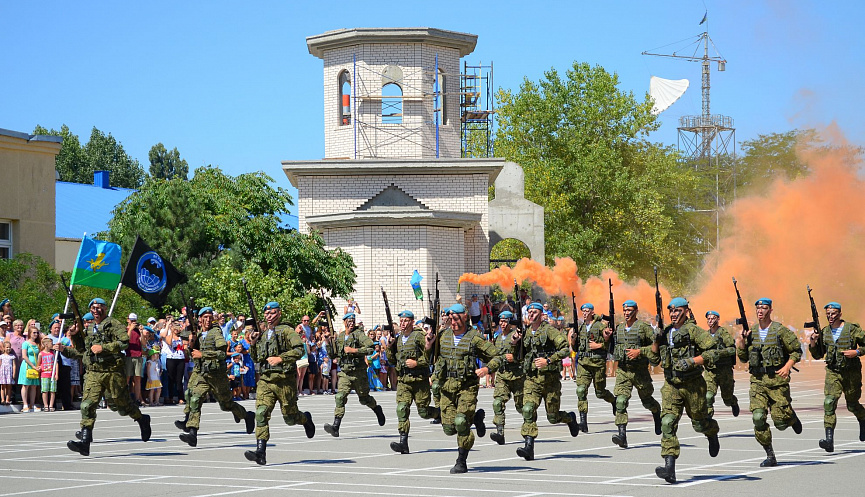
x=150, y=273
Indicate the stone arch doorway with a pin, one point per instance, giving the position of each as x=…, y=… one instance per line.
x=507, y=252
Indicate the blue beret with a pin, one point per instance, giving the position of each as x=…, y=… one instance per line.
x=87, y=317
x=418, y=322
x=348, y=315
x=832, y=305
x=235, y=354
x=677, y=302
x=54, y=321
x=458, y=308
x=151, y=330
x=4, y=302
x=406, y=314
x=97, y=300
x=506, y=315
x=536, y=305
x=713, y=313
x=205, y=310
x=55, y=316
x=560, y=318
x=629, y=303
x=587, y=305
x=764, y=302
x=271, y=305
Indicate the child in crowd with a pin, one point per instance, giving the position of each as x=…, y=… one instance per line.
x=48, y=374
x=154, y=377
x=236, y=371
x=7, y=367
x=325, y=373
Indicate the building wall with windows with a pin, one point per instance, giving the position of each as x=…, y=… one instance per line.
x=27, y=175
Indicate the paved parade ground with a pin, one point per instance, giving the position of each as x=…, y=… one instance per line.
x=35, y=459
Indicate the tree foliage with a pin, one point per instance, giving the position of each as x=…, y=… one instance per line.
x=611, y=198
x=165, y=164
x=217, y=228
x=76, y=163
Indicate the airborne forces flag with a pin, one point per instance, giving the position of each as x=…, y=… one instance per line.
x=149, y=274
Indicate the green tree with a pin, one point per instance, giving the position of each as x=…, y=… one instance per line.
x=612, y=199
x=166, y=164
x=217, y=228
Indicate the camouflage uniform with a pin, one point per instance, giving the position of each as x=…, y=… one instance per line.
x=843, y=375
x=352, y=375
x=720, y=374
x=509, y=379
x=209, y=376
x=770, y=393
x=634, y=373
x=684, y=388
x=277, y=383
x=412, y=383
x=543, y=383
x=591, y=365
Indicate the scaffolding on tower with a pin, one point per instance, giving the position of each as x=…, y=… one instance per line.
x=477, y=110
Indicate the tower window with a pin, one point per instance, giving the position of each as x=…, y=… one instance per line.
x=391, y=104
x=344, y=102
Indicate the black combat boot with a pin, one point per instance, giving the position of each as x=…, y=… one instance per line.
x=499, y=436
x=259, y=454
x=379, y=414
x=862, y=430
x=144, y=427
x=402, y=445
x=460, y=466
x=334, y=428
x=79, y=435
x=573, y=425
x=735, y=408
x=714, y=446
x=250, y=421
x=828, y=443
x=770, y=457
x=613, y=403
x=83, y=446
x=190, y=437
x=181, y=425
x=479, y=423
x=308, y=426
x=797, y=425
x=668, y=470
x=656, y=417
x=621, y=439
x=584, y=422
x=527, y=451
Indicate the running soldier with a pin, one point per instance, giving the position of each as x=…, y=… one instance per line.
x=591, y=348
x=720, y=374
x=509, y=378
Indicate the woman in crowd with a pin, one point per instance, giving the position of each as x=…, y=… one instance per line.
x=302, y=364
x=175, y=362
x=29, y=381
x=17, y=339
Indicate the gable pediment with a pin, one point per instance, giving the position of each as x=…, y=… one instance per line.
x=392, y=198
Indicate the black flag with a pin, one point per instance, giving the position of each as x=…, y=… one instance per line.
x=149, y=274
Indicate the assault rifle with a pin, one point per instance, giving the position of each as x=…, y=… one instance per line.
x=387, y=312
x=76, y=312
x=820, y=346
x=191, y=318
x=518, y=315
x=329, y=321
x=659, y=305
x=433, y=320
x=611, y=318
x=742, y=319
x=256, y=330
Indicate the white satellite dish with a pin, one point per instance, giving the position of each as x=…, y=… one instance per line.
x=665, y=92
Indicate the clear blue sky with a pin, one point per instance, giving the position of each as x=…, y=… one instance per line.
x=232, y=83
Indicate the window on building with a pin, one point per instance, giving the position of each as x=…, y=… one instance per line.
x=443, y=101
x=391, y=104
x=5, y=239
x=344, y=102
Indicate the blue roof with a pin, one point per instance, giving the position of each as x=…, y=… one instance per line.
x=83, y=208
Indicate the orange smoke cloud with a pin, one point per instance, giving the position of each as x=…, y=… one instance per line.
x=806, y=232
x=563, y=279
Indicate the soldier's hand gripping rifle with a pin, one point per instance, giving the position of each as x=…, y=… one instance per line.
x=659, y=306
x=433, y=321
x=820, y=346
x=256, y=330
x=78, y=338
x=742, y=319
x=518, y=321
x=611, y=319
x=387, y=312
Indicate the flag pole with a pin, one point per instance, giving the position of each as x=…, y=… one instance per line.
x=114, y=301
x=65, y=309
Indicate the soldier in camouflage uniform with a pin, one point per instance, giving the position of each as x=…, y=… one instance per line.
x=683, y=349
x=720, y=374
x=509, y=378
x=351, y=347
x=633, y=350
x=276, y=354
x=771, y=349
x=100, y=346
x=455, y=371
x=591, y=348
x=409, y=352
x=209, y=377
x=544, y=347
x=843, y=343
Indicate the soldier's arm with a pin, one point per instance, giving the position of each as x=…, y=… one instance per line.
x=487, y=352
x=791, y=344
x=420, y=345
x=560, y=342
x=729, y=349
x=221, y=347
x=295, y=347
x=366, y=347
x=815, y=352
x=119, y=340
x=858, y=343
x=705, y=345
x=647, y=337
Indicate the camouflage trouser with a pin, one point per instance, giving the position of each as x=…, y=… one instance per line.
x=216, y=383
x=720, y=378
x=356, y=381
x=458, y=404
x=417, y=389
x=626, y=381
x=586, y=375
x=111, y=384
x=546, y=387
x=268, y=391
x=688, y=394
x=772, y=397
x=849, y=383
x=502, y=393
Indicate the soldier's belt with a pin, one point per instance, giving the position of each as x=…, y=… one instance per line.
x=670, y=373
x=418, y=372
x=595, y=355
x=769, y=371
